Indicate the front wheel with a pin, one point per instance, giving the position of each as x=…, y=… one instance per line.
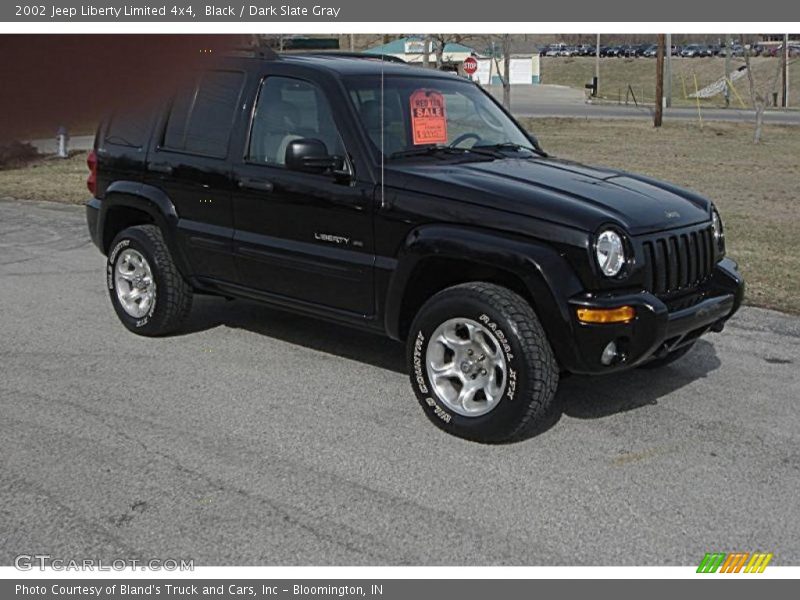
x=480, y=363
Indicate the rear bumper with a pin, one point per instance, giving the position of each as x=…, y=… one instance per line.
x=93, y=222
x=658, y=328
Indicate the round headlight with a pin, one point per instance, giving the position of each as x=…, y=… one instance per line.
x=716, y=223
x=610, y=253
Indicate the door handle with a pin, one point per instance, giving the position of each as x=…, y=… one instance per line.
x=160, y=167
x=262, y=185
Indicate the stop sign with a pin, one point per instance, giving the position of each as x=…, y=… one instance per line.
x=470, y=65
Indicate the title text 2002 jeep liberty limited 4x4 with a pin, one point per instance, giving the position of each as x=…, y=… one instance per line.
x=409, y=203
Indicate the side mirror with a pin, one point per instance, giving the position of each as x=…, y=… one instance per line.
x=311, y=156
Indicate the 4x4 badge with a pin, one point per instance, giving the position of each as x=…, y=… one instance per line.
x=672, y=214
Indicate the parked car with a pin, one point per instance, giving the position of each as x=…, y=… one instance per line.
x=555, y=49
x=651, y=51
x=615, y=51
x=406, y=202
x=777, y=50
x=737, y=50
x=695, y=51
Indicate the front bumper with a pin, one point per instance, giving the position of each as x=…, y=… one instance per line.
x=659, y=327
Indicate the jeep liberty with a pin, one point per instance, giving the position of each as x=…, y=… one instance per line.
x=407, y=202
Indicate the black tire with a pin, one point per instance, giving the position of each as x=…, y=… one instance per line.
x=173, y=295
x=528, y=398
x=657, y=363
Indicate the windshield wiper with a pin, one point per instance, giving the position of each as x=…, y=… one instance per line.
x=433, y=151
x=508, y=146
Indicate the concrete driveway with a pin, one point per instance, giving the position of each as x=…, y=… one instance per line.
x=258, y=437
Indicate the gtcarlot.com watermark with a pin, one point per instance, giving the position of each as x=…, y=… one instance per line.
x=43, y=562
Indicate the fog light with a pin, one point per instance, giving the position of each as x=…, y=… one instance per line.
x=609, y=353
x=622, y=314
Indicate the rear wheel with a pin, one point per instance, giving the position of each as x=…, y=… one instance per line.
x=149, y=294
x=480, y=363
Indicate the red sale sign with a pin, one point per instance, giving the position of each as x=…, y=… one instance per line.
x=428, y=117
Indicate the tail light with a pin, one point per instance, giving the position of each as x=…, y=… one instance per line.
x=91, y=181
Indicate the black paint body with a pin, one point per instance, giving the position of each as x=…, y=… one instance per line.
x=410, y=228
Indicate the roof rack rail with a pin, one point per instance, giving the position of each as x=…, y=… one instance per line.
x=267, y=53
x=363, y=55
x=262, y=52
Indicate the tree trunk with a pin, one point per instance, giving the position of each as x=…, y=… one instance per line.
x=506, y=72
x=760, y=96
x=759, y=123
x=426, y=55
x=439, y=54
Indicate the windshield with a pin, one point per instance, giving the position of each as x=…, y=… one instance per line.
x=412, y=116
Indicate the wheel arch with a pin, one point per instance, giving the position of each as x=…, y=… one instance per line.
x=127, y=204
x=440, y=256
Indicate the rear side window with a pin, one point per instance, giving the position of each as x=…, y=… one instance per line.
x=201, y=117
x=129, y=128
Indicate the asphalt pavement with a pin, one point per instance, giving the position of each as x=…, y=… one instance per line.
x=258, y=437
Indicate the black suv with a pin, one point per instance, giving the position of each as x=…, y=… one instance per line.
x=406, y=202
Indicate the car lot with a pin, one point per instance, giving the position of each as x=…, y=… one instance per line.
x=263, y=438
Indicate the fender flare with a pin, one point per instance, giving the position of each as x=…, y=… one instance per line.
x=150, y=200
x=546, y=274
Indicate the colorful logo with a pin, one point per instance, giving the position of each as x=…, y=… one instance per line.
x=734, y=562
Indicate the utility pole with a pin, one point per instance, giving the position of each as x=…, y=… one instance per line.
x=785, y=70
x=597, y=64
x=352, y=42
x=659, y=81
x=728, y=50
x=668, y=72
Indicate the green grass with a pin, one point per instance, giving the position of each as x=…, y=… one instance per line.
x=640, y=73
x=755, y=187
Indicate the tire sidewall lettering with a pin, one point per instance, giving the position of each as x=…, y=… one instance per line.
x=420, y=379
x=112, y=259
x=419, y=372
x=505, y=346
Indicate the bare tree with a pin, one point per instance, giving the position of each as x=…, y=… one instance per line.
x=500, y=47
x=439, y=42
x=505, y=43
x=761, y=93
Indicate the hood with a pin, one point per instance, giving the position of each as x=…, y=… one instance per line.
x=556, y=190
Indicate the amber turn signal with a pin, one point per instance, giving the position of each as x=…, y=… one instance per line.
x=621, y=314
